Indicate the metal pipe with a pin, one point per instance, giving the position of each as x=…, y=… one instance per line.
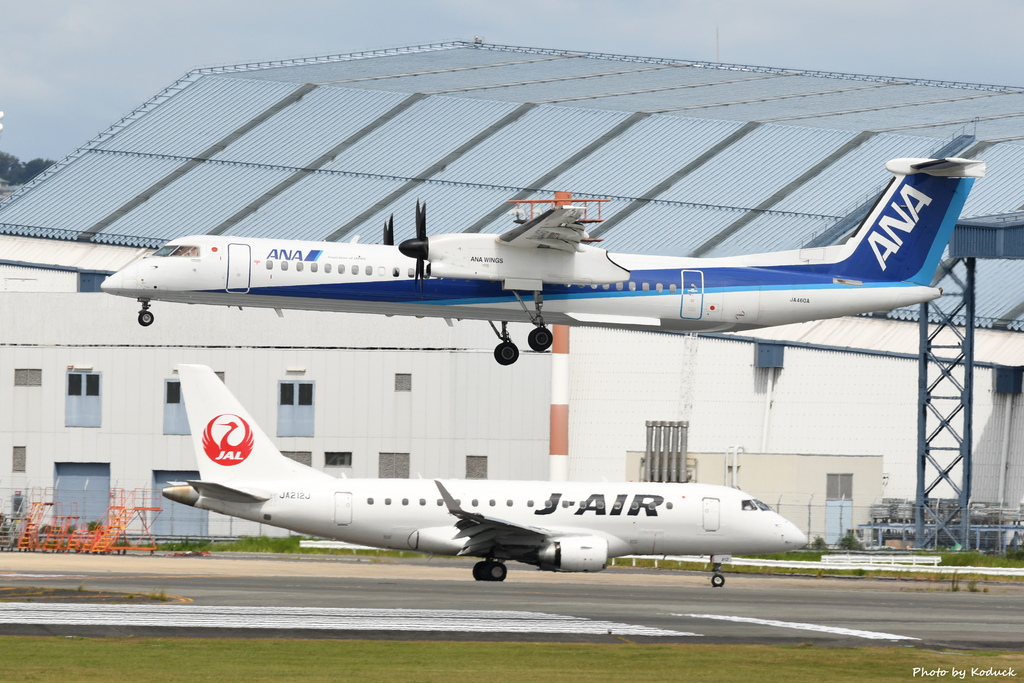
x=766, y=422
x=1004, y=454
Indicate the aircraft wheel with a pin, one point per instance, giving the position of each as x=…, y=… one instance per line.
x=145, y=318
x=506, y=353
x=717, y=581
x=479, y=571
x=540, y=339
x=496, y=571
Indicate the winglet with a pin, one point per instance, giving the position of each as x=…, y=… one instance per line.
x=449, y=502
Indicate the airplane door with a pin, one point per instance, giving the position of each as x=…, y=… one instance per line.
x=692, y=306
x=711, y=514
x=238, y=276
x=342, y=508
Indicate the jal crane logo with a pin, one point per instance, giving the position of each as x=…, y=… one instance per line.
x=227, y=440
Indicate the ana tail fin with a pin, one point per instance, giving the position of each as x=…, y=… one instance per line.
x=230, y=447
x=903, y=237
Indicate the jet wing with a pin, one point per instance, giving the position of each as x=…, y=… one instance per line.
x=557, y=228
x=485, y=533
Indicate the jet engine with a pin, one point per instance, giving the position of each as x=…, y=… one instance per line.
x=574, y=554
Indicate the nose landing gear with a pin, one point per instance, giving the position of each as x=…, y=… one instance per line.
x=145, y=317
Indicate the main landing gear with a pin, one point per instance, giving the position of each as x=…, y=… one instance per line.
x=489, y=570
x=539, y=339
x=145, y=317
x=717, y=579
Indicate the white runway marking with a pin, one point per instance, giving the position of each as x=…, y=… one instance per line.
x=871, y=635
x=327, y=619
x=15, y=575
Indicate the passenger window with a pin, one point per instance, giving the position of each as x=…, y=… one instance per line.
x=396, y=272
x=492, y=502
x=312, y=267
x=369, y=271
x=529, y=503
x=355, y=270
x=387, y=501
x=298, y=266
x=412, y=272
x=672, y=288
x=658, y=287
x=270, y=265
x=405, y=501
x=566, y=503
x=618, y=286
x=382, y=271
x=369, y=501
x=646, y=287
x=423, y=501
x=327, y=267
x=440, y=502
x=668, y=505
x=284, y=265
x=475, y=502
x=341, y=269
x=632, y=286
x=508, y=502
x=607, y=287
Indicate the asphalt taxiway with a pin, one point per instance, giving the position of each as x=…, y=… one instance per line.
x=312, y=596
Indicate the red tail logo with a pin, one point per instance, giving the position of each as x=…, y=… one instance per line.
x=227, y=440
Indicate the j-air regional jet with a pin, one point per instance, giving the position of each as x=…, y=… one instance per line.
x=546, y=270
x=556, y=526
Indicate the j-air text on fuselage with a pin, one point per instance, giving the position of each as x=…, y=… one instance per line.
x=555, y=526
x=546, y=270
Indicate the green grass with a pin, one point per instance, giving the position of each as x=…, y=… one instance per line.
x=311, y=661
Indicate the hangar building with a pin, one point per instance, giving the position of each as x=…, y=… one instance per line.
x=696, y=158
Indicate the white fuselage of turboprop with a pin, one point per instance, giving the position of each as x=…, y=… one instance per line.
x=668, y=293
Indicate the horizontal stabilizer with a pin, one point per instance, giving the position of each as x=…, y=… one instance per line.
x=943, y=168
x=209, y=489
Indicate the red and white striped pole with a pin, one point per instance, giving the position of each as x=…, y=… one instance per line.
x=559, y=462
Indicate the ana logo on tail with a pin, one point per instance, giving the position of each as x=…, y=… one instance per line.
x=226, y=450
x=889, y=243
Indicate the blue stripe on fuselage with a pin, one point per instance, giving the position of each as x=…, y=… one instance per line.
x=446, y=292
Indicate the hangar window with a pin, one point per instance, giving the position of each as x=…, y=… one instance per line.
x=295, y=410
x=28, y=378
x=270, y=265
x=476, y=467
x=303, y=457
x=355, y=270
x=393, y=466
x=83, y=406
x=403, y=381
x=18, y=459
x=175, y=419
x=338, y=459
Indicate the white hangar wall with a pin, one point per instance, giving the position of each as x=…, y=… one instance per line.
x=823, y=402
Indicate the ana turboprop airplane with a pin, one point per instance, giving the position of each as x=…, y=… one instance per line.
x=556, y=526
x=547, y=261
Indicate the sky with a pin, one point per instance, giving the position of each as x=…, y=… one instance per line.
x=71, y=68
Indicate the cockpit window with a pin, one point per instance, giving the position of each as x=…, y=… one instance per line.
x=177, y=250
x=762, y=506
x=749, y=505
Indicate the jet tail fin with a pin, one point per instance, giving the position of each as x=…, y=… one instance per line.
x=230, y=447
x=904, y=235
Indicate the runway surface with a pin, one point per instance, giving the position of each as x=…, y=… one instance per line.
x=232, y=595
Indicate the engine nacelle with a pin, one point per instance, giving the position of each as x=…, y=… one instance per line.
x=574, y=554
x=483, y=257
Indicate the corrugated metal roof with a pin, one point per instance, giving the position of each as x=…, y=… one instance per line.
x=369, y=138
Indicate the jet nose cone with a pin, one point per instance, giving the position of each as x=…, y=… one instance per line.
x=113, y=283
x=793, y=536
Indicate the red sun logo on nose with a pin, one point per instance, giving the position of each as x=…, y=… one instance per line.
x=227, y=440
